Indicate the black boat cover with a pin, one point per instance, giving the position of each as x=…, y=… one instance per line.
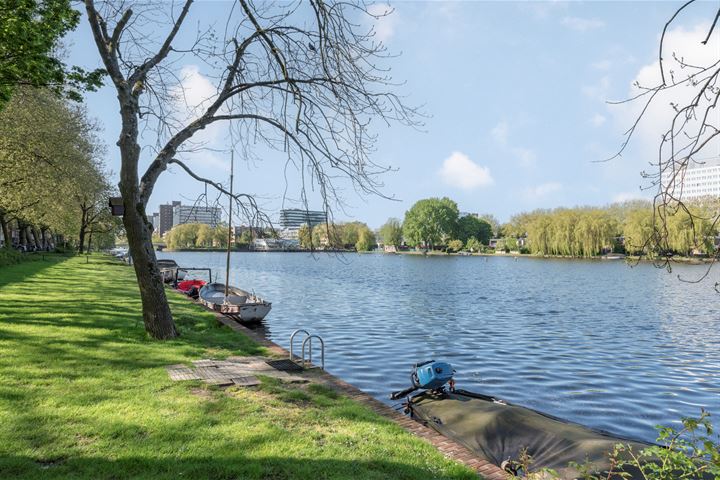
x=498, y=431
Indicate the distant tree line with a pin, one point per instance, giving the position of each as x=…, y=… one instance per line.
x=579, y=232
x=337, y=236
x=196, y=235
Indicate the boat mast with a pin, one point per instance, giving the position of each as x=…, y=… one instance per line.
x=227, y=259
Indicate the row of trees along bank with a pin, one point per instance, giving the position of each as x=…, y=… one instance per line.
x=350, y=235
x=629, y=227
x=52, y=182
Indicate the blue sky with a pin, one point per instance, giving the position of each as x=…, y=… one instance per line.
x=515, y=94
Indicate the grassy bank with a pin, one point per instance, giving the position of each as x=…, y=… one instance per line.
x=84, y=394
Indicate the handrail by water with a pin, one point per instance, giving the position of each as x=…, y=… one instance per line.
x=322, y=350
x=292, y=337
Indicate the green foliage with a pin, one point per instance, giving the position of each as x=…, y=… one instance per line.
x=638, y=229
x=473, y=245
x=366, y=240
x=470, y=226
x=339, y=236
x=29, y=34
x=430, y=222
x=455, y=245
x=692, y=452
x=391, y=232
x=9, y=256
x=305, y=237
x=51, y=177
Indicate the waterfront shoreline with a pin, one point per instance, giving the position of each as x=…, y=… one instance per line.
x=81, y=353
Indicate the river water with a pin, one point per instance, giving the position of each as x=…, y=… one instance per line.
x=596, y=342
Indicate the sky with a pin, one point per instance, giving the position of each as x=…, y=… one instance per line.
x=515, y=96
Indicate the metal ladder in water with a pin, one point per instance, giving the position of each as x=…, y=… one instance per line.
x=307, y=341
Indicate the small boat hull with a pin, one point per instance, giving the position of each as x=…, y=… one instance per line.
x=239, y=304
x=169, y=269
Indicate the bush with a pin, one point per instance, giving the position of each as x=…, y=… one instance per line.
x=691, y=452
x=10, y=257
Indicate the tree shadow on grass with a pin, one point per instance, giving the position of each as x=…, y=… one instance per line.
x=216, y=465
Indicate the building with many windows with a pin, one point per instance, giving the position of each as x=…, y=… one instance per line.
x=697, y=181
x=291, y=220
x=183, y=214
x=294, y=218
x=165, y=217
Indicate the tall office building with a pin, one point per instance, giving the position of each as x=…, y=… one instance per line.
x=196, y=214
x=166, y=217
x=294, y=218
x=701, y=180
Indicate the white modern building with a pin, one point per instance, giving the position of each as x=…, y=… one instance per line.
x=699, y=180
x=292, y=219
x=196, y=214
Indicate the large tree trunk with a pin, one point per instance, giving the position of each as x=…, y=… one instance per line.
x=36, y=238
x=7, y=237
x=89, y=241
x=81, y=235
x=156, y=311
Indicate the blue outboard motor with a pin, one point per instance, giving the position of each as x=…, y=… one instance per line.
x=430, y=375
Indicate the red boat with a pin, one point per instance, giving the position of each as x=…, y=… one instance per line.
x=191, y=287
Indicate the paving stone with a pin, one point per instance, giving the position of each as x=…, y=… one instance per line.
x=221, y=382
x=249, y=381
x=177, y=375
x=204, y=363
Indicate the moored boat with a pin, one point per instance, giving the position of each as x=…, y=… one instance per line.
x=191, y=288
x=170, y=270
x=238, y=303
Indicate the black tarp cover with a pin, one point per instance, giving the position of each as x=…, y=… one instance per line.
x=500, y=431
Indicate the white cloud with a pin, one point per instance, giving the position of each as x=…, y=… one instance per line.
x=542, y=190
x=195, y=91
x=384, y=20
x=598, y=120
x=461, y=172
x=682, y=42
x=582, y=24
x=500, y=133
x=627, y=196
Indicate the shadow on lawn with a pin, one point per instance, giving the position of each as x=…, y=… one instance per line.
x=222, y=465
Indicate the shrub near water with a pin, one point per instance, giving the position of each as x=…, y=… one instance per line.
x=691, y=453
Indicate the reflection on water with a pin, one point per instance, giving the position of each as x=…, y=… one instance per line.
x=595, y=342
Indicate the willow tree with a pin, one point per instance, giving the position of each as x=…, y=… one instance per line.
x=306, y=78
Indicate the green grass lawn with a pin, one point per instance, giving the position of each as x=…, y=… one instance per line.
x=84, y=394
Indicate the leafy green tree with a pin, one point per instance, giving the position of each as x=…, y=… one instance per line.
x=205, y=236
x=473, y=244
x=430, y=222
x=220, y=236
x=305, y=237
x=455, y=245
x=30, y=31
x=246, y=237
x=50, y=177
x=470, y=226
x=391, y=232
x=494, y=224
x=366, y=240
x=638, y=231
